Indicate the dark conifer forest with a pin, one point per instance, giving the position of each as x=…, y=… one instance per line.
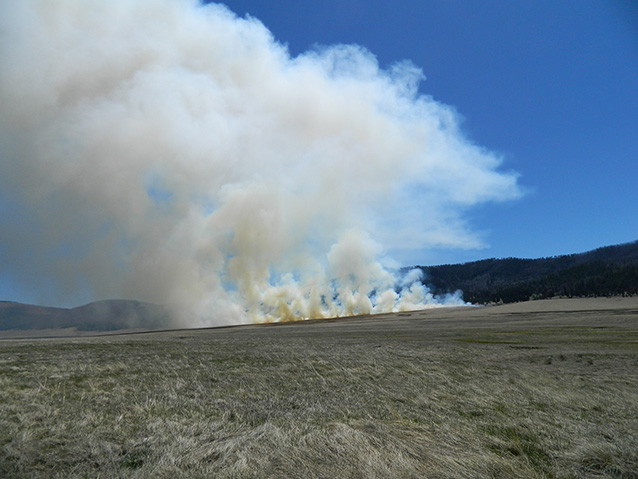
x=608, y=271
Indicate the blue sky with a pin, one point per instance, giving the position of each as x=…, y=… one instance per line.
x=552, y=86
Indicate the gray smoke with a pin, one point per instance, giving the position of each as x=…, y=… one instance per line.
x=177, y=154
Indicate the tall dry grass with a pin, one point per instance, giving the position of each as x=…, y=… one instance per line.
x=536, y=396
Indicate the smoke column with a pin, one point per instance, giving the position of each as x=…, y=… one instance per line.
x=177, y=154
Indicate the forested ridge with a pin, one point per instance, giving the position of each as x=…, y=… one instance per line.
x=608, y=271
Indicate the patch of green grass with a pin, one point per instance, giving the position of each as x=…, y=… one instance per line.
x=483, y=341
x=519, y=441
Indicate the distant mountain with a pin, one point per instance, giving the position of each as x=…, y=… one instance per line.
x=608, y=271
x=106, y=315
x=26, y=316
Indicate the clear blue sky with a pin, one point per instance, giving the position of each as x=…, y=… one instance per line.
x=552, y=86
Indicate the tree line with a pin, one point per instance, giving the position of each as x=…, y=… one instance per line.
x=608, y=271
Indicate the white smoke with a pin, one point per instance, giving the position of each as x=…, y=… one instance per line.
x=177, y=154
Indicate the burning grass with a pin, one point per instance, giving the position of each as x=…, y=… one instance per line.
x=472, y=393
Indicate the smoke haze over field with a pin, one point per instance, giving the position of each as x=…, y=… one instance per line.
x=177, y=154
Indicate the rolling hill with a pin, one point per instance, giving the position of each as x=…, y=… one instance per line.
x=608, y=271
x=108, y=315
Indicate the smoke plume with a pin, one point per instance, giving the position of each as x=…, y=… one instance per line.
x=174, y=153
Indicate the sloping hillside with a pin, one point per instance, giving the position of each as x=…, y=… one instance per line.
x=612, y=270
x=106, y=315
x=607, y=271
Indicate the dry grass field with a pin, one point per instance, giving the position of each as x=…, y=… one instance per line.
x=546, y=389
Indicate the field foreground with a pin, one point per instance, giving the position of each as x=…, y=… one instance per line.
x=527, y=390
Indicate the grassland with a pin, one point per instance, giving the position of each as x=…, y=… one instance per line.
x=547, y=389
